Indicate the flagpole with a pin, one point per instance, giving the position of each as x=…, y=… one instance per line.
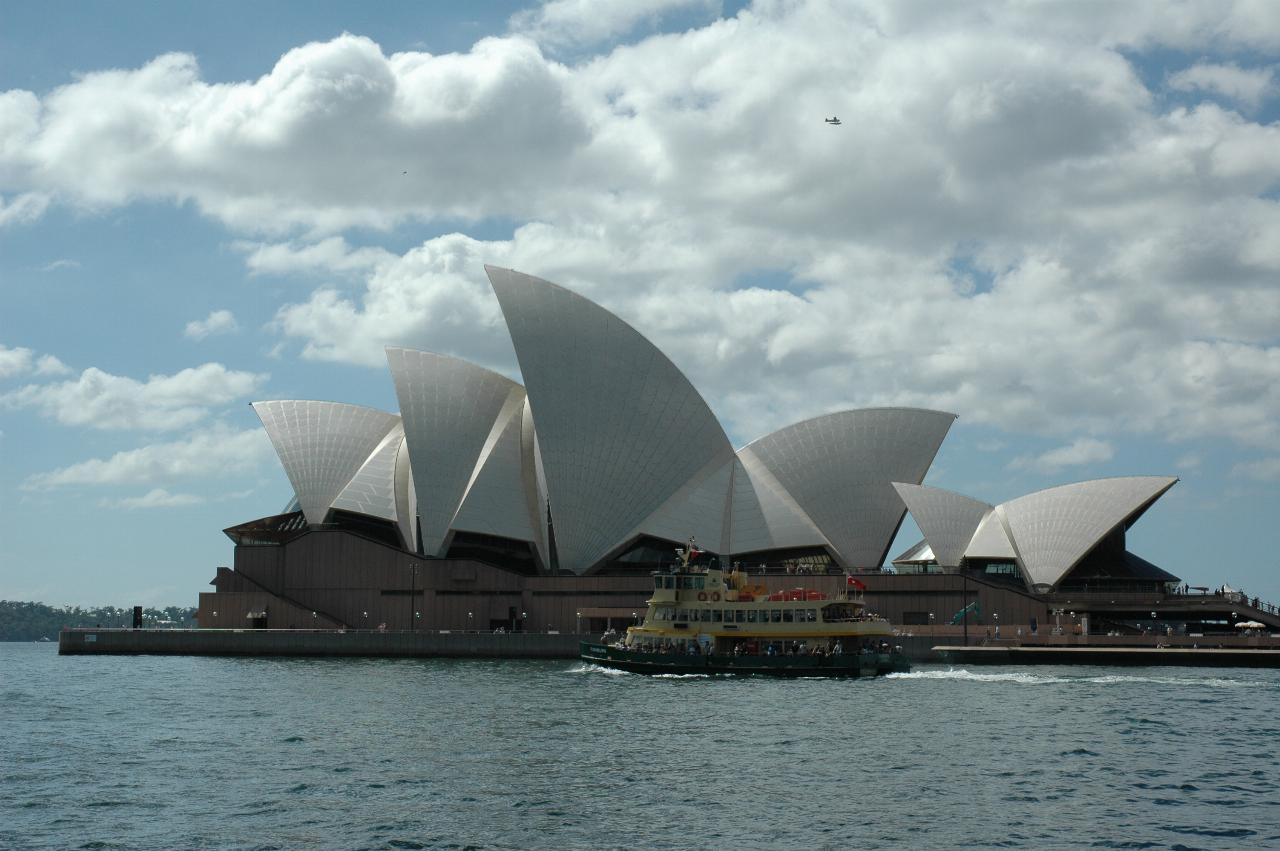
x=965, y=603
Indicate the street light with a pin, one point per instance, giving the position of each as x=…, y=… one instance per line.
x=635, y=618
x=524, y=616
x=995, y=616
x=579, y=615
x=469, y=618
x=931, y=626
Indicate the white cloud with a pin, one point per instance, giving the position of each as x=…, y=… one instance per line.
x=50, y=365
x=1081, y=452
x=61, y=263
x=1261, y=469
x=435, y=297
x=154, y=498
x=217, y=451
x=101, y=400
x=327, y=255
x=579, y=22
x=25, y=208
x=1248, y=86
x=1007, y=225
x=14, y=361
x=337, y=134
x=217, y=322
x=21, y=360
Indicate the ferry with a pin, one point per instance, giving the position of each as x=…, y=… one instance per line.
x=704, y=620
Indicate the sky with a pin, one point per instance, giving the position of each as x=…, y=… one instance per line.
x=1058, y=220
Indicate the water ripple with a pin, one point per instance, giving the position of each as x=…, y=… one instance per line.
x=381, y=754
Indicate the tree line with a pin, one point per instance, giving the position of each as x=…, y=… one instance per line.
x=36, y=621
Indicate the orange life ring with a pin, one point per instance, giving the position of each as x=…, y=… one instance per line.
x=715, y=596
x=702, y=596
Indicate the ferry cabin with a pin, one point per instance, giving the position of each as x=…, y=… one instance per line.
x=710, y=611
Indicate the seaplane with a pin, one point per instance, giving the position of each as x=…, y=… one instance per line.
x=833, y=121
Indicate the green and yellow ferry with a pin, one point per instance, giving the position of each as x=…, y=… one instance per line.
x=707, y=621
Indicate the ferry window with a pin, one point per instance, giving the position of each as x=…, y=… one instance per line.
x=811, y=615
x=740, y=616
x=777, y=616
x=786, y=616
x=697, y=583
x=715, y=615
x=706, y=615
x=751, y=616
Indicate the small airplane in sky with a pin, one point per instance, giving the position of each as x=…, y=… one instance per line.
x=833, y=120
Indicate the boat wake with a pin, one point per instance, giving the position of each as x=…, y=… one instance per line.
x=589, y=668
x=1022, y=678
x=970, y=676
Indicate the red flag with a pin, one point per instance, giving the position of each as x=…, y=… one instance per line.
x=854, y=583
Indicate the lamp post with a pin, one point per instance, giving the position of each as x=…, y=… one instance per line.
x=1073, y=623
x=524, y=616
x=470, y=618
x=995, y=616
x=579, y=616
x=931, y=627
x=635, y=619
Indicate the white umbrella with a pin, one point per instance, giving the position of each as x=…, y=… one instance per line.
x=1250, y=625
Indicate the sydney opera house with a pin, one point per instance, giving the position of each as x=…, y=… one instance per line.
x=486, y=504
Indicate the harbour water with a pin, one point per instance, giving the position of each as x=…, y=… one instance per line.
x=198, y=752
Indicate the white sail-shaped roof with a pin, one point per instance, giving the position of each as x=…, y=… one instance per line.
x=699, y=509
x=535, y=483
x=450, y=409
x=406, y=497
x=620, y=428
x=1053, y=529
x=495, y=501
x=764, y=515
x=372, y=490
x=839, y=468
x=322, y=445
x=990, y=541
x=946, y=519
x=917, y=553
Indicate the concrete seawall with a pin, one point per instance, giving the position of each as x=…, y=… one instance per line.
x=919, y=649
x=1207, y=657
x=289, y=642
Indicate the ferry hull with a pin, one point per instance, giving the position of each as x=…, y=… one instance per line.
x=845, y=665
